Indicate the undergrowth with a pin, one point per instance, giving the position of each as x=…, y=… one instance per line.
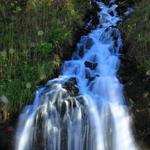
x=138, y=35
x=32, y=33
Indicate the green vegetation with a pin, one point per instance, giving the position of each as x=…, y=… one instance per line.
x=135, y=68
x=31, y=43
x=138, y=35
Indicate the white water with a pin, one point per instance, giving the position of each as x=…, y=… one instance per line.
x=96, y=119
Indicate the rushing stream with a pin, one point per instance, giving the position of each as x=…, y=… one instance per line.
x=84, y=108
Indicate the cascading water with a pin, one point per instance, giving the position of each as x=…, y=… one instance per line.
x=83, y=109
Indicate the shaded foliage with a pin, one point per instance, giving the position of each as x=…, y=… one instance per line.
x=33, y=33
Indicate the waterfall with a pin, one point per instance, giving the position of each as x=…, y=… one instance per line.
x=84, y=108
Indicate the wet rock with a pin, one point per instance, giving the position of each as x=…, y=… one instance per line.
x=63, y=109
x=107, y=29
x=71, y=87
x=126, y=2
x=92, y=16
x=64, y=136
x=90, y=65
x=81, y=100
x=94, y=4
x=91, y=79
x=111, y=13
x=123, y=5
x=95, y=22
x=89, y=43
x=114, y=34
x=81, y=51
x=121, y=9
x=87, y=74
x=115, y=43
x=106, y=2
x=74, y=104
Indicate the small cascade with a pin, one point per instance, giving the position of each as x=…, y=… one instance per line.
x=84, y=108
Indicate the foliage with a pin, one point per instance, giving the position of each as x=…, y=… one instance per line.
x=138, y=35
x=32, y=32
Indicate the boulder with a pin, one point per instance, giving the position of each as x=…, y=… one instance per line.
x=71, y=87
x=89, y=43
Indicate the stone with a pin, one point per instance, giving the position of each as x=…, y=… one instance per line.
x=63, y=109
x=89, y=43
x=90, y=65
x=81, y=51
x=71, y=87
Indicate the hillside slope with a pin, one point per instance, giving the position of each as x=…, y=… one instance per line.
x=135, y=68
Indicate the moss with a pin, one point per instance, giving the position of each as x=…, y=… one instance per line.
x=33, y=33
